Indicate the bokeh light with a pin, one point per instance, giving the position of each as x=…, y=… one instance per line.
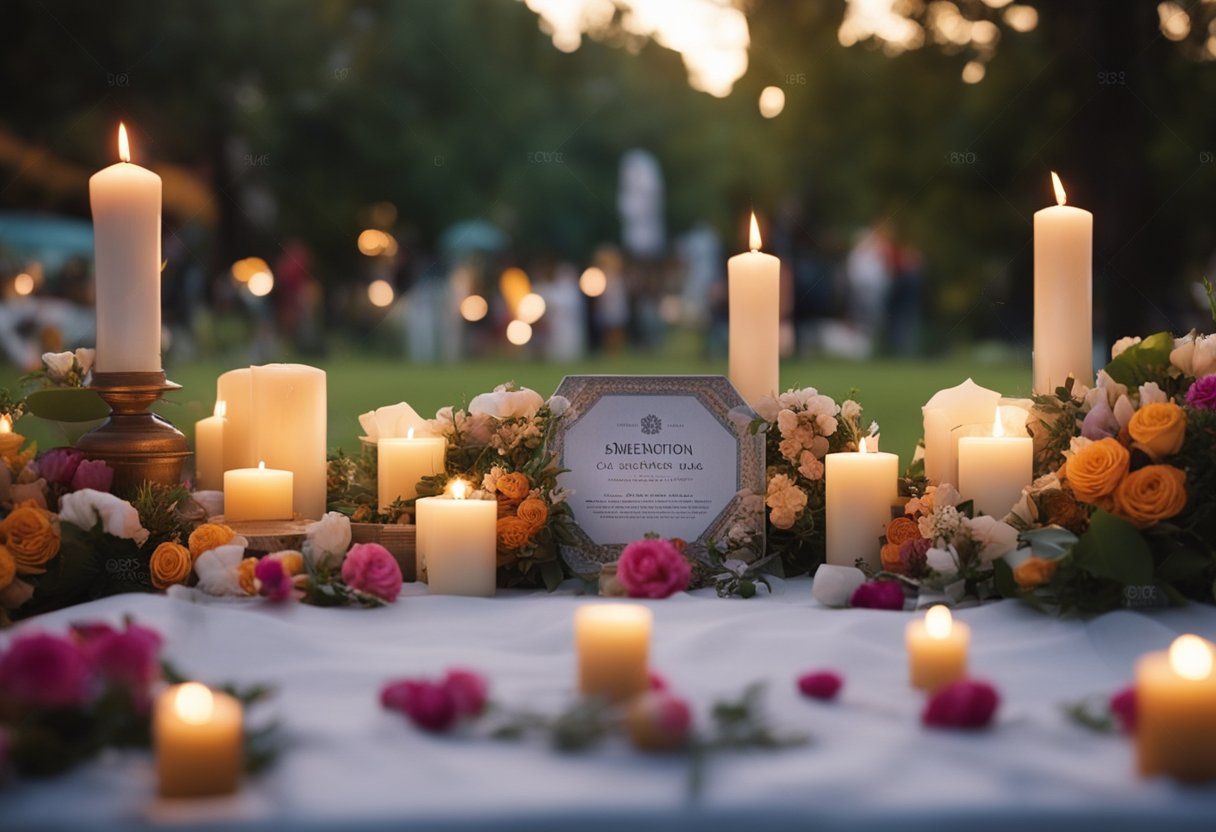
x=519, y=333
x=474, y=308
x=260, y=284
x=593, y=282
x=244, y=270
x=973, y=72
x=375, y=243
x=380, y=293
x=515, y=286
x=23, y=284
x=772, y=101
x=531, y=308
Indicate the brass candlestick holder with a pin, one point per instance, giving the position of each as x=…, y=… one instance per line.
x=139, y=445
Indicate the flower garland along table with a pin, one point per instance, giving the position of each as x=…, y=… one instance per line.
x=870, y=763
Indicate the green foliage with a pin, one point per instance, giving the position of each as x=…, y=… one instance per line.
x=1146, y=361
x=67, y=404
x=160, y=512
x=1114, y=549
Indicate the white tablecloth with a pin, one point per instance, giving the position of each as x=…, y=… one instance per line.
x=871, y=764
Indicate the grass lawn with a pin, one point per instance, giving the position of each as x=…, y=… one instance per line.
x=891, y=391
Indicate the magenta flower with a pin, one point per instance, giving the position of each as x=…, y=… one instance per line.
x=45, y=671
x=371, y=568
x=58, y=465
x=274, y=583
x=653, y=568
x=469, y=692
x=963, y=704
x=878, y=595
x=429, y=705
x=1123, y=707
x=1202, y=395
x=913, y=556
x=656, y=681
x=94, y=474
x=128, y=657
x=821, y=684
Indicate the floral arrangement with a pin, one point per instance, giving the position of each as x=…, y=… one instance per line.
x=1123, y=511
x=64, y=699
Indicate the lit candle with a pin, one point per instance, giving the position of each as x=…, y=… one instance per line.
x=197, y=736
x=993, y=470
x=209, y=450
x=457, y=540
x=860, y=490
x=235, y=389
x=755, y=321
x=1176, y=711
x=937, y=649
x=10, y=442
x=125, y=200
x=289, y=424
x=401, y=462
x=613, y=642
x=257, y=494
x=1063, y=294
x=949, y=415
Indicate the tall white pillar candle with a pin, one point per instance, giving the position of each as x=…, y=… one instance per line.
x=860, y=490
x=289, y=418
x=235, y=389
x=209, y=451
x=126, y=200
x=1063, y=294
x=754, y=287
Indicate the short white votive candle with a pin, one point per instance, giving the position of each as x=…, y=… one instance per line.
x=257, y=494
x=1176, y=711
x=457, y=540
x=937, y=649
x=197, y=737
x=613, y=643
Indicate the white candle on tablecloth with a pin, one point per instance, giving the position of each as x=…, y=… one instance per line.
x=235, y=389
x=1176, y=711
x=860, y=490
x=126, y=203
x=754, y=288
x=197, y=736
x=613, y=643
x=209, y=450
x=457, y=540
x=937, y=649
x=993, y=470
x=257, y=494
x=1063, y=294
x=289, y=418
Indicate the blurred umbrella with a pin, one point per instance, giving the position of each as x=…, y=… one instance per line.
x=52, y=241
x=472, y=235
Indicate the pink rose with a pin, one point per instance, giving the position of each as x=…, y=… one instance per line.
x=822, y=684
x=58, y=465
x=658, y=721
x=653, y=568
x=963, y=704
x=274, y=583
x=469, y=692
x=45, y=671
x=1123, y=707
x=1202, y=395
x=878, y=595
x=371, y=568
x=129, y=657
x=94, y=474
x=429, y=705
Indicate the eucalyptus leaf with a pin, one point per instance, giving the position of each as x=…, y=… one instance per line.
x=1051, y=542
x=67, y=404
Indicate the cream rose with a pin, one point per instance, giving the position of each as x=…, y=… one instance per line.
x=507, y=404
x=119, y=518
x=327, y=540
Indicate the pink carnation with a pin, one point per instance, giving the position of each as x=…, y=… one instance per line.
x=963, y=704
x=45, y=671
x=371, y=568
x=822, y=684
x=58, y=465
x=653, y=568
x=94, y=474
x=1202, y=395
x=273, y=581
x=878, y=595
x=438, y=706
x=128, y=657
x=1123, y=707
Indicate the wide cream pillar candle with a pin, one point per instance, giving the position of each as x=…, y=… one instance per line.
x=126, y=201
x=949, y=415
x=289, y=424
x=613, y=643
x=1063, y=294
x=197, y=736
x=401, y=462
x=235, y=389
x=754, y=288
x=937, y=649
x=258, y=494
x=993, y=470
x=860, y=490
x=1176, y=711
x=209, y=451
x=457, y=540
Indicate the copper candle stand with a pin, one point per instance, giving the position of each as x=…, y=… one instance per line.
x=139, y=445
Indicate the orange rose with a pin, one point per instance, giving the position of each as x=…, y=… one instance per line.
x=513, y=533
x=1150, y=495
x=32, y=537
x=8, y=567
x=1096, y=470
x=1034, y=572
x=890, y=558
x=513, y=486
x=900, y=530
x=507, y=508
x=209, y=536
x=1158, y=428
x=244, y=572
x=534, y=512
x=171, y=564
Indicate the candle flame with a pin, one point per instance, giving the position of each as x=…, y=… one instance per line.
x=261, y=465
x=221, y=408
x=1191, y=657
x=6, y=423
x=998, y=427
x=754, y=236
x=861, y=446
x=124, y=147
x=459, y=489
x=938, y=621
x=194, y=703
x=409, y=434
x=1061, y=197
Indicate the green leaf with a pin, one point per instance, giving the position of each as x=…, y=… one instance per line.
x=67, y=404
x=1114, y=549
x=1183, y=563
x=1142, y=362
x=1002, y=575
x=1050, y=542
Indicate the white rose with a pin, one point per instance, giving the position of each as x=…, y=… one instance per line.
x=218, y=570
x=1195, y=355
x=943, y=561
x=822, y=406
x=1122, y=344
x=327, y=540
x=58, y=365
x=558, y=405
x=995, y=537
x=792, y=399
x=507, y=404
x=1151, y=393
x=118, y=517
x=85, y=357
x=767, y=408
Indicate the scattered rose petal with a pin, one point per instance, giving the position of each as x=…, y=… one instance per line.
x=1123, y=707
x=820, y=684
x=469, y=691
x=655, y=681
x=963, y=704
x=879, y=595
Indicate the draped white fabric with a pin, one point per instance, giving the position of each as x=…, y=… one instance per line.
x=870, y=765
